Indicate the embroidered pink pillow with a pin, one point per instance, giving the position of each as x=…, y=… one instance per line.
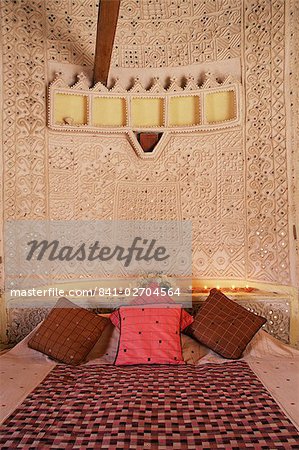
x=151, y=300
x=150, y=335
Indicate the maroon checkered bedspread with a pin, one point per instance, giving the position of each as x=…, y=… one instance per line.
x=150, y=407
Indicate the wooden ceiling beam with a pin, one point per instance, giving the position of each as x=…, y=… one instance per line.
x=107, y=22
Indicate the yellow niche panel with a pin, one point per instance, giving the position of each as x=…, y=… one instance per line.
x=147, y=112
x=220, y=106
x=183, y=111
x=70, y=109
x=109, y=112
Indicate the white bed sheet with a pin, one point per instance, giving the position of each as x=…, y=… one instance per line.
x=21, y=370
x=277, y=367
x=275, y=364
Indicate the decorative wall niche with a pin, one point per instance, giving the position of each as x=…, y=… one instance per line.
x=145, y=115
x=108, y=112
x=147, y=112
x=72, y=110
x=220, y=106
x=184, y=111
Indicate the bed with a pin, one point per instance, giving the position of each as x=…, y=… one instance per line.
x=209, y=402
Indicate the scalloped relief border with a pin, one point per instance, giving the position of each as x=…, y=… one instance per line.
x=174, y=90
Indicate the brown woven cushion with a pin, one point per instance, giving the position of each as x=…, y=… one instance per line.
x=225, y=326
x=68, y=333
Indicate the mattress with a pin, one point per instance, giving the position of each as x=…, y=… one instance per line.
x=218, y=403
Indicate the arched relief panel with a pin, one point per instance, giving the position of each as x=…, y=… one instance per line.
x=139, y=111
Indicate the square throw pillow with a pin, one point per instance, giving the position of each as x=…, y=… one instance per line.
x=105, y=350
x=225, y=326
x=152, y=300
x=68, y=333
x=150, y=335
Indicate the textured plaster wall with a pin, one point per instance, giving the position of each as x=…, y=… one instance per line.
x=233, y=185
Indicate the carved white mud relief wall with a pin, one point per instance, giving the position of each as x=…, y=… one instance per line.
x=151, y=33
x=265, y=131
x=107, y=180
x=232, y=183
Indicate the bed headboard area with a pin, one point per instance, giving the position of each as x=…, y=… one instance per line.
x=279, y=308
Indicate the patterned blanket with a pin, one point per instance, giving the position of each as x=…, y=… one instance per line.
x=221, y=406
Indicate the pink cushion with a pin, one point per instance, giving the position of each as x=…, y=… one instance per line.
x=150, y=335
x=150, y=300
